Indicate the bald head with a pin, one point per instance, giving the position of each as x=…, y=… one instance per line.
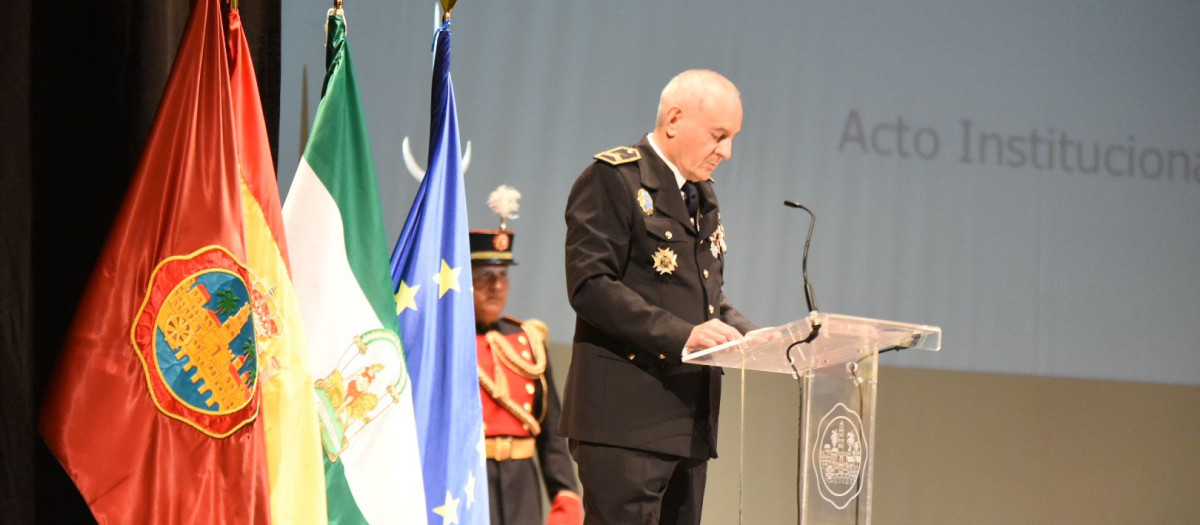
x=699, y=113
x=691, y=89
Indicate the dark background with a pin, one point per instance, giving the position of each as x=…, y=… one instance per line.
x=81, y=84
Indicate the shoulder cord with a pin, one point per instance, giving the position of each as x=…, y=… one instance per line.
x=504, y=351
x=508, y=404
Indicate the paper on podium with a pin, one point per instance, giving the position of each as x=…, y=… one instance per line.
x=839, y=338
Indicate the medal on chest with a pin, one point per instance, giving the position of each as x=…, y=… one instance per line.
x=665, y=261
x=645, y=202
x=716, y=243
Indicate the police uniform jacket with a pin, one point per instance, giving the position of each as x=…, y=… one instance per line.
x=640, y=276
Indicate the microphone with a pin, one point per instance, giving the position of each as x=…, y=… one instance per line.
x=809, y=296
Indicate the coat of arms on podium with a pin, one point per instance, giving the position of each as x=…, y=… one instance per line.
x=840, y=456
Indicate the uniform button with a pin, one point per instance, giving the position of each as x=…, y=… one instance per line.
x=706, y=274
x=527, y=407
x=711, y=309
x=521, y=339
x=525, y=354
x=668, y=235
x=529, y=388
x=632, y=357
x=662, y=356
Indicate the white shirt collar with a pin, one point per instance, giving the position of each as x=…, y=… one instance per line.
x=679, y=180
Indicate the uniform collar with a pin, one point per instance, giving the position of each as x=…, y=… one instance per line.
x=481, y=328
x=658, y=178
x=679, y=180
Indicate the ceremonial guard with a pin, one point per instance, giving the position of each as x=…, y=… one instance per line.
x=520, y=403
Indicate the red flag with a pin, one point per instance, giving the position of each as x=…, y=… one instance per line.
x=153, y=409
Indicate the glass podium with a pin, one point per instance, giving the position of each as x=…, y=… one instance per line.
x=836, y=358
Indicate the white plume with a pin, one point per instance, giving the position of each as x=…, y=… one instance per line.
x=504, y=201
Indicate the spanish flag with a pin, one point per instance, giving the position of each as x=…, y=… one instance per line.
x=289, y=410
x=154, y=408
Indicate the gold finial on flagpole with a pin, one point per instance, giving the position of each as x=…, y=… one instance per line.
x=447, y=6
x=337, y=7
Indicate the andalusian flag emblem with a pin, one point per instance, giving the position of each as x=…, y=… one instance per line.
x=369, y=379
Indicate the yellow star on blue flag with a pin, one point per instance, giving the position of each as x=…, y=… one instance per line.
x=447, y=279
x=406, y=297
x=449, y=510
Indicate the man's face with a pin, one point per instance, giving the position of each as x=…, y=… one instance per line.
x=490, y=285
x=704, y=135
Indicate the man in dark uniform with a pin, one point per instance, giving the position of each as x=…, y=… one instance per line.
x=645, y=249
x=520, y=403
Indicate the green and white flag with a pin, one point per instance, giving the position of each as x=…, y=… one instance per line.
x=339, y=251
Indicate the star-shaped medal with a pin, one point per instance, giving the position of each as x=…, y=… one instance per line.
x=716, y=243
x=665, y=261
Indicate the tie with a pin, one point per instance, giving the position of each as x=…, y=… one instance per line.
x=691, y=197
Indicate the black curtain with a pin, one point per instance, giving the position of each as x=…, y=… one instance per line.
x=16, y=318
x=81, y=85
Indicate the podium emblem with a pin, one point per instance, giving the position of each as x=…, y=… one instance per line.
x=840, y=456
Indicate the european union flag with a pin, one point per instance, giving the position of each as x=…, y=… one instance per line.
x=431, y=272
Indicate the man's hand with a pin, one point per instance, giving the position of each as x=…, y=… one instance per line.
x=710, y=333
x=762, y=335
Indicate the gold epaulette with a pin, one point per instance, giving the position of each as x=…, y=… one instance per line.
x=530, y=367
x=536, y=325
x=619, y=155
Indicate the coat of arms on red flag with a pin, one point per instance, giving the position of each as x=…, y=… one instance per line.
x=195, y=337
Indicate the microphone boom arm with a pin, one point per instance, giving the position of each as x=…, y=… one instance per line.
x=809, y=296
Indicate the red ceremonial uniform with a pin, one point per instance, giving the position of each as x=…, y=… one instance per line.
x=520, y=417
x=511, y=371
